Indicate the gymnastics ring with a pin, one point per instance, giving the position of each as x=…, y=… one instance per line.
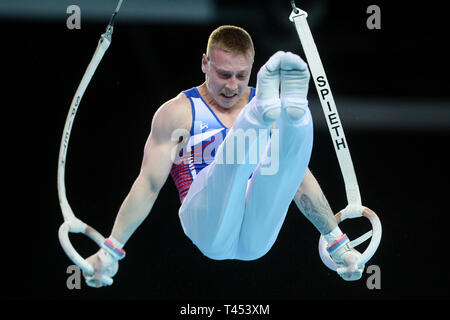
x=354, y=208
x=355, y=212
x=77, y=226
x=72, y=223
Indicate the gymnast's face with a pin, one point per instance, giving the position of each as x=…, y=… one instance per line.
x=227, y=75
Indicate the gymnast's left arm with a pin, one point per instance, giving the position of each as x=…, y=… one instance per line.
x=312, y=203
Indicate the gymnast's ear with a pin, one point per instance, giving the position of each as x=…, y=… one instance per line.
x=204, y=62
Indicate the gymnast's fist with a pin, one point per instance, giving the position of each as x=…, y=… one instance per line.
x=105, y=266
x=346, y=258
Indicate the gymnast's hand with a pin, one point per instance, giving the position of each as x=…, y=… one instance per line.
x=346, y=259
x=105, y=267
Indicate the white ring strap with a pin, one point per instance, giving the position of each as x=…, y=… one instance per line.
x=354, y=208
x=328, y=105
x=72, y=223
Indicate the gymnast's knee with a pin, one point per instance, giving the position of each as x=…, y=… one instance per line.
x=217, y=252
x=234, y=254
x=248, y=254
x=230, y=251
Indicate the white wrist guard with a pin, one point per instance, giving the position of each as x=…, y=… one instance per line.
x=114, y=247
x=337, y=249
x=346, y=259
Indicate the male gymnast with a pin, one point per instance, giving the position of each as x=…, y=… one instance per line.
x=232, y=207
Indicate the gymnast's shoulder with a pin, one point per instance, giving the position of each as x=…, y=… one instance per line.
x=174, y=114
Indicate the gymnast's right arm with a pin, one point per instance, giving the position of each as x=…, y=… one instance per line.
x=155, y=168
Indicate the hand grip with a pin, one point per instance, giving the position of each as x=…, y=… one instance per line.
x=374, y=242
x=63, y=235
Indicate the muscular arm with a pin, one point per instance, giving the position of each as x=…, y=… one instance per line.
x=144, y=191
x=312, y=203
x=155, y=168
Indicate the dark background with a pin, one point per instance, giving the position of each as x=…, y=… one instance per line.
x=391, y=85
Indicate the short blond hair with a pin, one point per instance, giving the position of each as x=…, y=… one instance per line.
x=232, y=39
